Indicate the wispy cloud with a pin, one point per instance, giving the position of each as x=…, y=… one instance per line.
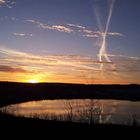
x=115, y=34
x=77, y=26
x=2, y=1
x=86, y=32
x=11, y=52
x=19, y=34
x=14, y=18
x=123, y=56
x=71, y=61
x=79, y=66
x=59, y=28
x=5, y=68
x=75, y=61
x=90, y=35
x=22, y=34
x=82, y=67
x=73, y=28
x=7, y=3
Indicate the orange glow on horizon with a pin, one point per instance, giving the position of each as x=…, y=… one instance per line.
x=54, y=78
x=33, y=81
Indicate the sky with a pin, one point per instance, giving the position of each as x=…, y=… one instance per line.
x=70, y=41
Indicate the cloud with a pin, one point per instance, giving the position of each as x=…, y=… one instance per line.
x=7, y=3
x=12, y=52
x=33, y=21
x=114, y=34
x=86, y=32
x=19, y=34
x=77, y=26
x=59, y=28
x=90, y=35
x=2, y=18
x=22, y=34
x=2, y=2
x=124, y=56
x=74, y=67
x=14, y=19
x=4, y=68
x=22, y=58
x=73, y=28
x=49, y=59
x=33, y=62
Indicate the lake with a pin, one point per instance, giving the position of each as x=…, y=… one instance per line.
x=79, y=110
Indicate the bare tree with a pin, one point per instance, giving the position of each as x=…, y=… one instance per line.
x=94, y=111
x=135, y=120
x=86, y=110
x=69, y=109
x=90, y=111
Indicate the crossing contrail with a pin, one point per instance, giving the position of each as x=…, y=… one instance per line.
x=103, y=52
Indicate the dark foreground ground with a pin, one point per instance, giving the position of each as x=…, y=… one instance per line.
x=19, y=126
x=11, y=93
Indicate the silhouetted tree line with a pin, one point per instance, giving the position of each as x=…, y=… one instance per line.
x=20, y=92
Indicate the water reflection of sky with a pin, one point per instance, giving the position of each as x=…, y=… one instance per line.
x=116, y=108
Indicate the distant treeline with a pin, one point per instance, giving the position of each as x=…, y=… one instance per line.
x=11, y=92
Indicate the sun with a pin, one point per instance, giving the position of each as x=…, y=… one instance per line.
x=33, y=81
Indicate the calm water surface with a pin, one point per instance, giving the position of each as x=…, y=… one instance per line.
x=83, y=110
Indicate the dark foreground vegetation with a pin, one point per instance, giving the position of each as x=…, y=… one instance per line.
x=11, y=93
x=15, y=126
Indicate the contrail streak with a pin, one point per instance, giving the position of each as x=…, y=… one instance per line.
x=103, y=51
x=97, y=14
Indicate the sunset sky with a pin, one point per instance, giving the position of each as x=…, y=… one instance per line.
x=71, y=41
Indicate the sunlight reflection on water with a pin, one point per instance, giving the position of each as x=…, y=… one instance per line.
x=101, y=111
